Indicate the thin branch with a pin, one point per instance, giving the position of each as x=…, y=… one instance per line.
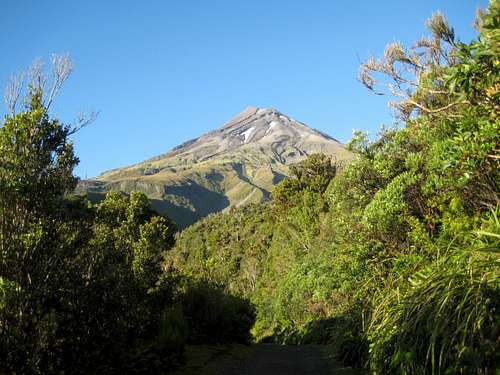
x=37, y=77
x=61, y=69
x=13, y=91
x=441, y=109
x=82, y=120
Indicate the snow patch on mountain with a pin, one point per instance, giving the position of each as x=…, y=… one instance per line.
x=272, y=124
x=246, y=134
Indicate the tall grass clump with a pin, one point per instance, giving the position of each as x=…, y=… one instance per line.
x=447, y=322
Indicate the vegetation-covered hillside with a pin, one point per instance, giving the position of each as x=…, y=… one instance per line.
x=394, y=257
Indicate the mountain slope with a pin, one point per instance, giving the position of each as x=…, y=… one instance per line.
x=233, y=165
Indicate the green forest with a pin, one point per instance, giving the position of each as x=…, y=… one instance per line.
x=392, y=258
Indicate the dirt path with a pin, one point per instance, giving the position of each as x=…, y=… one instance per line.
x=261, y=359
x=269, y=359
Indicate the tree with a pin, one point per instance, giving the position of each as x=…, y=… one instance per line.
x=36, y=171
x=36, y=165
x=79, y=284
x=36, y=154
x=313, y=174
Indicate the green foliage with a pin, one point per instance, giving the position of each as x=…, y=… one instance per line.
x=448, y=319
x=388, y=208
x=36, y=162
x=313, y=174
x=139, y=234
x=225, y=249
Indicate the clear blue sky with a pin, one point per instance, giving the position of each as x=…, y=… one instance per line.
x=162, y=72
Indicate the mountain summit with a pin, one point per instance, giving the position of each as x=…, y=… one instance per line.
x=236, y=164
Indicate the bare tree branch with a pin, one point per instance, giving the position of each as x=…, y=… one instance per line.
x=82, y=120
x=13, y=91
x=37, y=77
x=436, y=110
x=61, y=69
x=38, y=84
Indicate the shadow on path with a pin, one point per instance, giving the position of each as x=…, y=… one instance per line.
x=271, y=359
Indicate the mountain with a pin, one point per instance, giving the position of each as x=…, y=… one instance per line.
x=236, y=164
